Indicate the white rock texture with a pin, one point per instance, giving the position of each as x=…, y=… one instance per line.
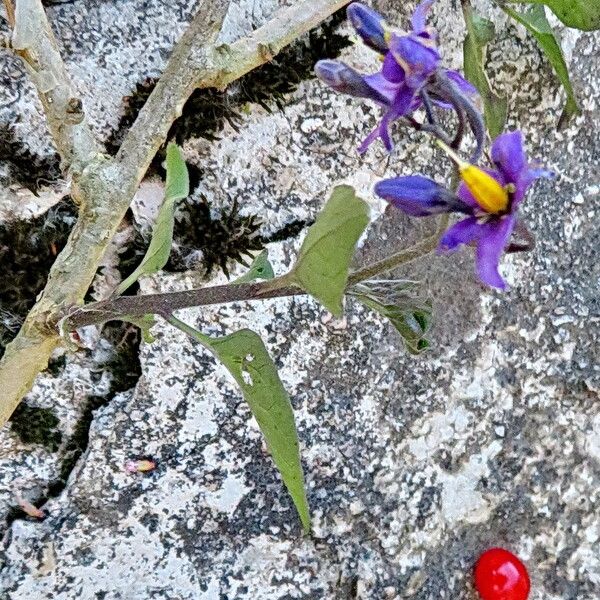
x=414, y=465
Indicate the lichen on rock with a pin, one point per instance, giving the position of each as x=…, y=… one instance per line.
x=414, y=465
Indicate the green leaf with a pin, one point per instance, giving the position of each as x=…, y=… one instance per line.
x=580, y=14
x=480, y=32
x=325, y=256
x=535, y=21
x=260, y=268
x=400, y=302
x=177, y=187
x=411, y=323
x=244, y=355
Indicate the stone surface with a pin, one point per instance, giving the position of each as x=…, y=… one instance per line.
x=414, y=465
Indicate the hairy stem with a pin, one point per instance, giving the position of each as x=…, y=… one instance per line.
x=460, y=130
x=401, y=258
x=104, y=187
x=433, y=129
x=447, y=90
x=164, y=304
x=428, y=106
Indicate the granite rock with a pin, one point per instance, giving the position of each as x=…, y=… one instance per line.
x=413, y=465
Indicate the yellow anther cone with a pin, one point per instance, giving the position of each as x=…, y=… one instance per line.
x=488, y=193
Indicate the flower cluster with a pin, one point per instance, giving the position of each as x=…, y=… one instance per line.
x=411, y=74
x=411, y=78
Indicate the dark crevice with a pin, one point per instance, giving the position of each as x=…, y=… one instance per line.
x=19, y=165
x=206, y=243
x=125, y=369
x=40, y=426
x=230, y=236
x=289, y=231
x=27, y=251
x=35, y=425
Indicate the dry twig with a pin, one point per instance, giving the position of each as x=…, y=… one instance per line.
x=104, y=187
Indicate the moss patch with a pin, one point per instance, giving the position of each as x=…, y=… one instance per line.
x=27, y=251
x=36, y=425
x=204, y=242
x=288, y=231
x=230, y=236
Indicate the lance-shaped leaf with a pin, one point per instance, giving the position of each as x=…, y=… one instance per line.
x=244, y=355
x=325, y=256
x=177, y=187
x=260, y=268
x=580, y=14
x=480, y=32
x=535, y=21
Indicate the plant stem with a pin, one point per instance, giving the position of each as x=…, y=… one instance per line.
x=164, y=304
x=432, y=129
x=401, y=258
x=447, y=90
x=429, y=110
x=10, y=12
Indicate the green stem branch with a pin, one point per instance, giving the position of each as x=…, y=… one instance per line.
x=164, y=304
x=402, y=257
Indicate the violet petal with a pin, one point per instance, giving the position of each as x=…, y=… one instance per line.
x=399, y=107
x=419, y=18
x=465, y=86
x=418, y=61
x=509, y=156
x=382, y=87
x=526, y=179
x=391, y=70
x=464, y=232
x=346, y=80
x=490, y=247
x=369, y=24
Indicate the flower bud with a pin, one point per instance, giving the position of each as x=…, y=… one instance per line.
x=345, y=79
x=369, y=24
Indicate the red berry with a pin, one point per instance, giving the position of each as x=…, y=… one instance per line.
x=500, y=575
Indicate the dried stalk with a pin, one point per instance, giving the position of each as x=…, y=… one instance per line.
x=104, y=187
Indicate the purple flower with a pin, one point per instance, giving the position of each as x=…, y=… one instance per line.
x=489, y=197
x=409, y=63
